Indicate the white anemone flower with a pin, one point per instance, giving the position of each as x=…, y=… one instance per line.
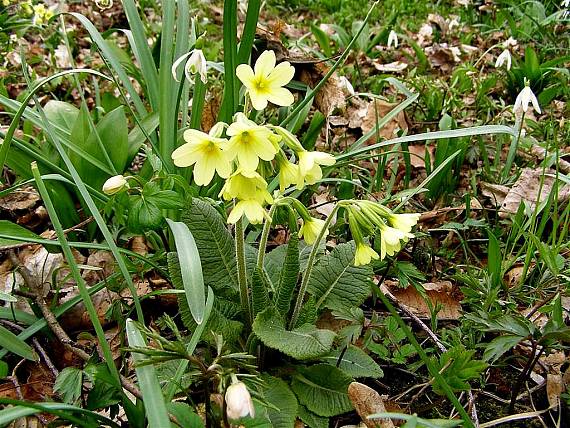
x=195, y=64
x=504, y=58
x=393, y=39
x=524, y=99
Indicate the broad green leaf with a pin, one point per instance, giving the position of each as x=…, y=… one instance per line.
x=13, y=343
x=323, y=389
x=336, y=283
x=499, y=345
x=355, y=362
x=190, y=268
x=458, y=367
x=222, y=320
x=277, y=393
x=68, y=384
x=304, y=342
x=3, y=369
x=184, y=415
x=311, y=419
x=288, y=277
x=61, y=113
x=215, y=244
x=9, y=229
x=137, y=137
x=148, y=381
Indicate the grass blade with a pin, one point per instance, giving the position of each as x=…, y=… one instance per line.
x=248, y=35
x=16, y=345
x=148, y=381
x=231, y=85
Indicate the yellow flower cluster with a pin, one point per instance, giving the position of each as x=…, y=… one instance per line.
x=250, y=151
x=368, y=218
x=41, y=14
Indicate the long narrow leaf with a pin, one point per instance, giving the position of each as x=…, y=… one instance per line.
x=148, y=381
x=248, y=35
x=231, y=87
x=190, y=269
x=13, y=343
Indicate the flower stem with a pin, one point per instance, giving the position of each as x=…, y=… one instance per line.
x=264, y=238
x=242, y=274
x=308, y=271
x=514, y=145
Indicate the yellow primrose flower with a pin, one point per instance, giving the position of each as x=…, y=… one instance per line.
x=309, y=165
x=311, y=229
x=265, y=82
x=289, y=174
x=364, y=255
x=403, y=222
x=206, y=152
x=390, y=240
x=252, y=208
x=250, y=142
x=244, y=185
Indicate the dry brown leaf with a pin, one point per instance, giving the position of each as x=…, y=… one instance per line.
x=527, y=188
x=417, y=154
x=368, y=402
x=496, y=192
x=554, y=388
x=331, y=96
x=442, y=293
x=23, y=199
x=425, y=35
x=324, y=202
x=375, y=111
x=443, y=57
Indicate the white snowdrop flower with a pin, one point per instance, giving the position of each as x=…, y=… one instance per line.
x=114, y=185
x=510, y=43
x=504, y=58
x=196, y=64
x=345, y=83
x=524, y=99
x=393, y=39
x=238, y=401
x=565, y=3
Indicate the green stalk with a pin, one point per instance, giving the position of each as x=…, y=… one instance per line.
x=231, y=87
x=513, y=147
x=198, y=98
x=242, y=274
x=264, y=237
x=75, y=273
x=309, y=270
x=434, y=372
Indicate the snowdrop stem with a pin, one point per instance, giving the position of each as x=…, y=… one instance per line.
x=485, y=54
x=514, y=144
x=264, y=237
x=309, y=269
x=242, y=274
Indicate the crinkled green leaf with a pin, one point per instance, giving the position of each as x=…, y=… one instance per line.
x=336, y=282
x=304, y=342
x=323, y=389
x=355, y=362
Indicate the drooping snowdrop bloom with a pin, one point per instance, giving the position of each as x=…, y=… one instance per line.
x=504, y=58
x=565, y=3
x=115, y=184
x=206, y=153
x=238, y=401
x=524, y=99
x=264, y=82
x=393, y=39
x=196, y=64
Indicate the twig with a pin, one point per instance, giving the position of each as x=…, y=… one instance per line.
x=54, y=325
x=438, y=343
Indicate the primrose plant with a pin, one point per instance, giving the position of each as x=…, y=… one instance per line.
x=281, y=293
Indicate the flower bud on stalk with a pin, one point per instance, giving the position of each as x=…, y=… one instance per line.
x=115, y=184
x=238, y=401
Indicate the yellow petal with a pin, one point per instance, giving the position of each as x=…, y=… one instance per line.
x=248, y=159
x=204, y=171
x=258, y=99
x=265, y=63
x=236, y=213
x=186, y=155
x=245, y=73
x=281, y=75
x=281, y=97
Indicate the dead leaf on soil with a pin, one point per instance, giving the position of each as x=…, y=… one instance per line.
x=417, y=154
x=554, y=388
x=392, y=67
x=23, y=199
x=331, y=96
x=368, y=402
x=442, y=293
x=443, y=57
x=366, y=116
x=527, y=188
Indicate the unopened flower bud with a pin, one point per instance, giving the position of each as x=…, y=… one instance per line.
x=238, y=401
x=115, y=184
